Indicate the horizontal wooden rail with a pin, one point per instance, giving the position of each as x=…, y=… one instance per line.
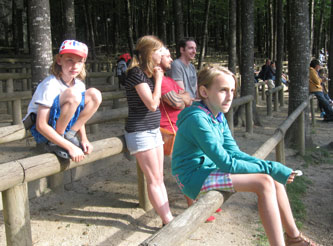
x=189, y=221
x=39, y=166
x=12, y=96
x=17, y=132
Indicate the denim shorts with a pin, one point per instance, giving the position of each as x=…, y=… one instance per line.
x=143, y=140
x=54, y=116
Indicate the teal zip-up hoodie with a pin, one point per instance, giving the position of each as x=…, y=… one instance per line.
x=204, y=144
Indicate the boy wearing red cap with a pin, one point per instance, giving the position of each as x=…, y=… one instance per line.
x=61, y=105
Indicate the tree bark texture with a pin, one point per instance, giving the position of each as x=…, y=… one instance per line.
x=69, y=20
x=179, y=24
x=330, y=58
x=129, y=27
x=205, y=35
x=232, y=58
x=280, y=42
x=40, y=40
x=161, y=20
x=311, y=5
x=298, y=63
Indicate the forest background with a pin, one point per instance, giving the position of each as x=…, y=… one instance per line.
x=235, y=31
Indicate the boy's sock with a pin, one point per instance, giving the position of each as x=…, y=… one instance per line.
x=71, y=136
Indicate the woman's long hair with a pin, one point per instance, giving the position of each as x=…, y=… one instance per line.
x=144, y=49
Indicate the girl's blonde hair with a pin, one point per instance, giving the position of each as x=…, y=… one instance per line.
x=55, y=69
x=208, y=74
x=144, y=49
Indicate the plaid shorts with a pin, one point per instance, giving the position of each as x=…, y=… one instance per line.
x=217, y=180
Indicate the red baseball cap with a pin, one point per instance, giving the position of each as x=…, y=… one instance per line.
x=74, y=47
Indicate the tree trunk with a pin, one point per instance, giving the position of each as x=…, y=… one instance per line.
x=320, y=30
x=232, y=58
x=40, y=40
x=115, y=22
x=90, y=29
x=205, y=35
x=161, y=20
x=178, y=17
x=280, y=42
x=330, y=58
x=69, y=25
x=298, y=63
x=129, y=27
x=311, y=5
x=15, y=26
x=239, y=33
x=247, y=87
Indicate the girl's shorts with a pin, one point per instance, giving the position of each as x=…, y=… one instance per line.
x=143, y=140
x=217, y=180
x=54, y=116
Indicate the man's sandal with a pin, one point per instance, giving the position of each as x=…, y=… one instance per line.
x=298, y=241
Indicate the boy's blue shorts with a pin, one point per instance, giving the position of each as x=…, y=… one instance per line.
x=54, y=116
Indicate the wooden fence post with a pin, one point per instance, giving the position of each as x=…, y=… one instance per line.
x=313, y=117
x=276, y=101
x=301, y=134
x=24, y=81
x=9, y=89
x=56, y=182
x=279, y=152
x=269, y=103
x=263, y=94
x=144, y=202
x=17, y=112
x=249, y=118
x=257, y=93
x=16, y=216
x=230, y=119
x=281, y=98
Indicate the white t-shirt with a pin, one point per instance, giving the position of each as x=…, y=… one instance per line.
x=48, y=90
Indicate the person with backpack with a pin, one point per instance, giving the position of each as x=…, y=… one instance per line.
x=122, y=64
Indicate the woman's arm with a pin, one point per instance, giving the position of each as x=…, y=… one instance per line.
x=151, y=99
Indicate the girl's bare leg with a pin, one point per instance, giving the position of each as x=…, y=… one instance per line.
x=149, y=162
x=263, y=185
x=287, y=218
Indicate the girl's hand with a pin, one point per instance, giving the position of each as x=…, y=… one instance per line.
x=87, y=147
x=291, y=177
x=158, y=73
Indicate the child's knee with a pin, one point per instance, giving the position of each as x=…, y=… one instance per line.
x=94, y=95
x=71, y=95
x=267, y=183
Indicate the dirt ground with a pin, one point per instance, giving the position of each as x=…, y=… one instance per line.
x=102, y=209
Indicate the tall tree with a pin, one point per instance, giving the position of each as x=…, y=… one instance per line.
x=205, y=35
x=87, y=5
x=69, y=20
x=330, y=51
x=129, y=27
x=161, y=20
x=280, y=42
x=311, y=5
x=247, y=53
x=320, y=28
x=232, y=58
x=40, y=40
x=298, y=63
x=178, y=17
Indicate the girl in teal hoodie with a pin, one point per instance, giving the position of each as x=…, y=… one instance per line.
x=206, y=157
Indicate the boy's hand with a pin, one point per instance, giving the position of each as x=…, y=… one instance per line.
x=87, y=147
x=76, y=154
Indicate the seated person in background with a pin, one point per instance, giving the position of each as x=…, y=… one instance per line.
x=316, y=88
x=61, y=104
x=324, y=80
x=284, y=79
x=267, y=74
x=206, y=157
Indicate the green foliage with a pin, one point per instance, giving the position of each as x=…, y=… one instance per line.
x=317, y=155
x=260, y=237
